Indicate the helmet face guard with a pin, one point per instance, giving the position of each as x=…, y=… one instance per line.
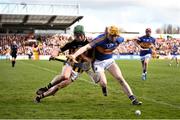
x=148, y=30
x=79, y=36
x=113, y=31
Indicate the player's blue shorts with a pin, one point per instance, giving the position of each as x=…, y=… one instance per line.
x=145, y=54
x=174, y=53
x=174, y=56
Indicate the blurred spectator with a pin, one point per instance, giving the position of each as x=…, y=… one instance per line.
x=48, y=42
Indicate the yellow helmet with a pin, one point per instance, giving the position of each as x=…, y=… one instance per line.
x=113, y=30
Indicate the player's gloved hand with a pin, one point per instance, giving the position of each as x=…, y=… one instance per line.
x=72, y=58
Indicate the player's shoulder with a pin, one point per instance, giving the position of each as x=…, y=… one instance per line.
x=153, y=38
x=142, y=37
x=99, y=38
x=74, y=42
x=146, y=37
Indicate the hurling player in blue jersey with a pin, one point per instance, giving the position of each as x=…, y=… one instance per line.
x=174, y=53
x=104, y=45
x=146, y=45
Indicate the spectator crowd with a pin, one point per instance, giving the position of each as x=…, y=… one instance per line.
x=46, y=43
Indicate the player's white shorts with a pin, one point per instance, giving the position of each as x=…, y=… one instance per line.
x=100, y=66
x=8, y=56
x=174, y=56
x=147, y=56
x=74, y=74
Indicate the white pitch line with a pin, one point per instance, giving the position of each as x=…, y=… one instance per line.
x=39, y=67
x=147, y=99
x=161, y=102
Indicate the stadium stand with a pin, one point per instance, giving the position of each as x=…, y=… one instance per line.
x=20, y=23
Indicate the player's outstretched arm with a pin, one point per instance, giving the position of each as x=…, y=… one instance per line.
x=79, y=52
x=54, y=54
x=136, y=41
x=82, y=50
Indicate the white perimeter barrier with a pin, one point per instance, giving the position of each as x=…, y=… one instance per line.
x=25, y=57
x=116, y=57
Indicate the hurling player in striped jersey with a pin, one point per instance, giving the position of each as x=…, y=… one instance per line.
x=147, y=48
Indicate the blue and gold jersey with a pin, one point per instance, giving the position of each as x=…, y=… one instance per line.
x=146, y=41
x=174, y=50
x=104, y=47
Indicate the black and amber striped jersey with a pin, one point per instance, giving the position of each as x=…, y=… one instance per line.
x=73, y=47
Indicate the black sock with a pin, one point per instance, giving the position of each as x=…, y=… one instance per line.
x=13, y=63
x=104, y=90
x=49, y=85
x=144, y=71
x=132, y=97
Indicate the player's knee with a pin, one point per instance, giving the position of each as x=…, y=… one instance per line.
x=64, y=83
x=65, y=78
x=58, y=77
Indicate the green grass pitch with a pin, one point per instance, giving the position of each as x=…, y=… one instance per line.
x=160, y=94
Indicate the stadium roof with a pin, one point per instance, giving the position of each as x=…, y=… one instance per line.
x=37, y=21
x=38, y=16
